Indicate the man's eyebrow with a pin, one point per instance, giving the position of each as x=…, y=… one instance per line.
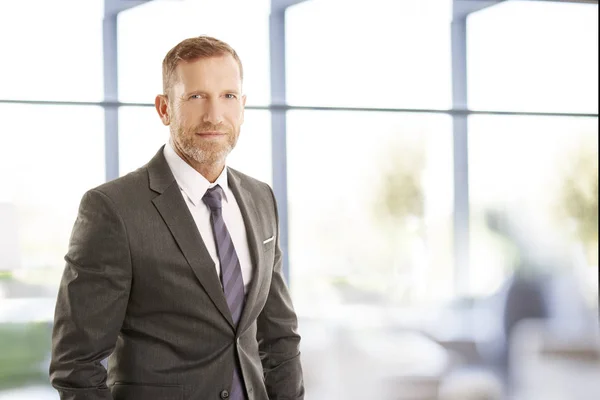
x=194, y=92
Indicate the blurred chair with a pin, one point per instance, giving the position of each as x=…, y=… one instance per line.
x=412, y=364
x=412, y=388
x=525, y=298
x=471, y=384
x=546, y=262
x=10, y=257
x=548, y=364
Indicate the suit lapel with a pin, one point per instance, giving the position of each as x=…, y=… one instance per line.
x=171, y=206
x=254, y=235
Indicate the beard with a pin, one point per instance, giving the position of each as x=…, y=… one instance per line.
x=204, y=151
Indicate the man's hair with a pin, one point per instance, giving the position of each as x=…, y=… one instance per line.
x=193, y=49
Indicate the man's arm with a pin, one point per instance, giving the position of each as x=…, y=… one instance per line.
x=278, y=339
x=92, y=300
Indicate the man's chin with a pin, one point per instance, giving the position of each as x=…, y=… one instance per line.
x=208, y=157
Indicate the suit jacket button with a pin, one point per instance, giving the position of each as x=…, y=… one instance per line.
x=225, y=394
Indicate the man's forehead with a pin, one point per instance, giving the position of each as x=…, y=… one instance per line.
x=224, y=64
x=208, y=72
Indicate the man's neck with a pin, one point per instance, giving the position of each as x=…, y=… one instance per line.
x=210, y=171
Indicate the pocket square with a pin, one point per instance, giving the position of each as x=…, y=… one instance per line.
x=269, y=240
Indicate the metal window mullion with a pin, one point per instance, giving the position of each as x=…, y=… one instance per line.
x=279, y=129
x=111, y=94
x=461, y=236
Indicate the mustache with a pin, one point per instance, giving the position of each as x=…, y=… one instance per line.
x=208, y=127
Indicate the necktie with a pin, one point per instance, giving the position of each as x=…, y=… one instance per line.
x=231, y=273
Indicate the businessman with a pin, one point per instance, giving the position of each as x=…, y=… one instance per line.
x=173, y=271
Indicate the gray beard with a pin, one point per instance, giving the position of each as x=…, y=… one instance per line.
x=201, y=156
x=204, y=156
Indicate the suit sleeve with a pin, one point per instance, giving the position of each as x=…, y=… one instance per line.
x=92, y=300
x=278, y=338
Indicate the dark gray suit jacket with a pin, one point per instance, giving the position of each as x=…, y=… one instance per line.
x=140, y=286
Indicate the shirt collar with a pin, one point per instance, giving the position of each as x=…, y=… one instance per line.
x=190, y=181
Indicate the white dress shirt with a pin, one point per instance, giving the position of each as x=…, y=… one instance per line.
x=193, y=186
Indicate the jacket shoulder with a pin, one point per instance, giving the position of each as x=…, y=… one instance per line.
x=125, y=186
x=250, y=182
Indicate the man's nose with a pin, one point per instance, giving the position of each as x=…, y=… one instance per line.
x=213, y=113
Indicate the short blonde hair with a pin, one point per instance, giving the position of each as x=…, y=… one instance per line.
x=192, y=49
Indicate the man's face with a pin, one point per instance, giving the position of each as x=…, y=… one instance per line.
x=206, y=108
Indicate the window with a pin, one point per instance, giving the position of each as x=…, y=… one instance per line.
x=366, y=54
x=534, y=56
x=51, y=156
x=534, y=198
x=57, y=56
x=370, y=209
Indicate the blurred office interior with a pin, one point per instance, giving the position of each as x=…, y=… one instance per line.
x=435, y=162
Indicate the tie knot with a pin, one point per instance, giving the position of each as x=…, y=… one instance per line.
x=212, y=198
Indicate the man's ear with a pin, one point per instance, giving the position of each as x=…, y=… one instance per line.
x=161, y=103
x=243, y=107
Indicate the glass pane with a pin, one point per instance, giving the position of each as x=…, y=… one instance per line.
x=147, y=32
x=534, y=199
x=141, y=134
x=370, y=228
x=547, y=60
x=370, y=207
x=52, y=50
x=369, y=53
x=50, y=156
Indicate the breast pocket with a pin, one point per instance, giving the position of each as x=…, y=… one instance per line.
x=128, y=391
x=269, y=243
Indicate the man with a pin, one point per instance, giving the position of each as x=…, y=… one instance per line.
x=174, y=270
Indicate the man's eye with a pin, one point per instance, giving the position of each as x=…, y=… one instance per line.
x=195, y=96
x=231, y=96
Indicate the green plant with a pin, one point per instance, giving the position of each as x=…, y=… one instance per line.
x=401, y=193
x=5, y=275
x=23, y=350
x=578, y=193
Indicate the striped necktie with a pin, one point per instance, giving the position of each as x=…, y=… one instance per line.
x=231, y=274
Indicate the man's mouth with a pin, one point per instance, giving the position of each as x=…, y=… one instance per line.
x=210, y=133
